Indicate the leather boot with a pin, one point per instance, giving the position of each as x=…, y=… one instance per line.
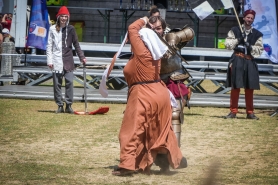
x=252, y=116
x=60, y=109
x=162, y=161
x=183, y=163
x=230, y=116
x=69, y=109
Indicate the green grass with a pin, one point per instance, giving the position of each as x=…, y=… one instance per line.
x=41, y=147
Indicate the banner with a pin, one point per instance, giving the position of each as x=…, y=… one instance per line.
x=39, y=25
x=266, y=22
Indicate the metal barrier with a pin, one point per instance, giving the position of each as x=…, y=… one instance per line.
x=200, y=70
x=37, y=72
x=116, y=96
x=9, y=58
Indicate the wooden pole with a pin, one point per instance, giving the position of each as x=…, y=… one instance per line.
x=237, y=19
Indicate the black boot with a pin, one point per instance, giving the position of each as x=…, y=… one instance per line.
x=69, y=109
x=183, y=163
x=162, y=161
x=230, y=116
x=60, y=109
x=252, y=116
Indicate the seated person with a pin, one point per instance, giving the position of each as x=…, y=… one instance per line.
x=6, y=36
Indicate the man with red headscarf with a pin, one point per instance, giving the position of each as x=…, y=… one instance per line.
x=242, y=70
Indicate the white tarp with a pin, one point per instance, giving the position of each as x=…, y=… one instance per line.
x=266, y=22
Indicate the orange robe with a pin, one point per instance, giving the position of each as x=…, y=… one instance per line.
x=146, y=129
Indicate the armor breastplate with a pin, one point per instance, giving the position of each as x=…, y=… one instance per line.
x=169, y=65
x=172, y=66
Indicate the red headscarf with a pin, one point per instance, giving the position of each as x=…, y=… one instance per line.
x=249, y=12
x=63, y=11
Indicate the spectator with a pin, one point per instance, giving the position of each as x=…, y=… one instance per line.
x=242, y=70
x=6, y=36
x=7, y=21
x=60, y=58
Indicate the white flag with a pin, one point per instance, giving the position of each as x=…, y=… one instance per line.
x=227, y=4
x=204, y=8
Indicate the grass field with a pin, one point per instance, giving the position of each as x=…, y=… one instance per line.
x=41, y=147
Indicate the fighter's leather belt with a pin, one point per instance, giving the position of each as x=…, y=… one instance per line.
x=146, y=82
x=242, y=55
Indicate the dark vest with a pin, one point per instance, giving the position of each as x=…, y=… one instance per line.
x=252, y=38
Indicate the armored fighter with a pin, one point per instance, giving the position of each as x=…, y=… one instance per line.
x=172, y=71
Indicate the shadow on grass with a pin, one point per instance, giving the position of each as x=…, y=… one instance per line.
x=48, y=111
x=109, y=167
x=152, y=172
x=188, y=114
x=242, y=115
x=169, y=173
x=223, y=117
